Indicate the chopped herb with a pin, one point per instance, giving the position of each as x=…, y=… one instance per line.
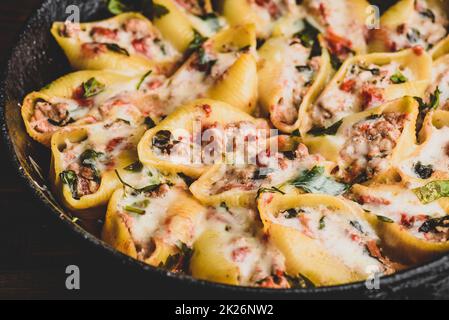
x=374, y=117
x=205, y=64
x=414, y=35
x=159, y=11
x=161, y=140
x=322, y=223
x=385, y=219
x=398, y=78
x=245, y=48
x=315, y=181
x=374, y=71
x=121, y=6
x=433, y=191
x=262, y=173
x=304, y=68
x=291, y=214
x=260, y=43
x=330, y=131
x=423, y=171
x=224, y=206
x=195, y=44
x=336, y=62
x=150, y=188
x=299, y=282
x=290, y=155
x=117, y=49
x=269, y=190
x=63, y=122
x=149, y=123
x=356, y=225
x=434, y=101
x=135, y=167
x=118, y=7
x=89, y=157
x=92, y=87
x=296, y=133
x=135, y=210
x=432, y=225
x=428, y=14
x=308, y=35
x=70, y=178
x=143, y=79
x=180, y=261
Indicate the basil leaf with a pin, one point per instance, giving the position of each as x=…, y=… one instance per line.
x=161, y=139
x=135, y=167
x=428, y=14
x=269, y=190
x=89, y=157
x=398, y=78
x=322, y=223
x=195, y=44
x=116, y=48
x=92, y=87
x=308, y=35
x=330, y=131
x=70, y=178
x=159, y=11
x=374, y=71
x=432, y=224
x=432, y=191
x=143, y=79
x=118, y=7
x=314, y=181
x=150, y=188
x=385, y=219
x=423, y=171
x=149, y=123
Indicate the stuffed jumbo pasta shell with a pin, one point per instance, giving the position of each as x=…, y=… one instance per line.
x=437, y=94
x=411, y=230
x=84, y=160
x=343, y=24
x=365, y=145
x=292, y=73
x=269, y=17
x=240, y=185
x=154, y=219
x=222, y=68
x=411, y=23
x=234, y=250
x=127, y=42
x=196, y=136
x=78, y=98
x=322, y=238
x=430, y=160
x=201, y=16
x=368, y=81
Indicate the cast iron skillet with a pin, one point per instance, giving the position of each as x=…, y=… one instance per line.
x=37, y=60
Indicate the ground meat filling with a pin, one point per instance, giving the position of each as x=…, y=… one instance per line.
x=134, y=36
x=362, y=88
x=87, y=180
x=48, y=117
x=369, y=144
x=425, y=28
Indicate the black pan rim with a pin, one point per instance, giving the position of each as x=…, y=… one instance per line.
x=397, y=278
